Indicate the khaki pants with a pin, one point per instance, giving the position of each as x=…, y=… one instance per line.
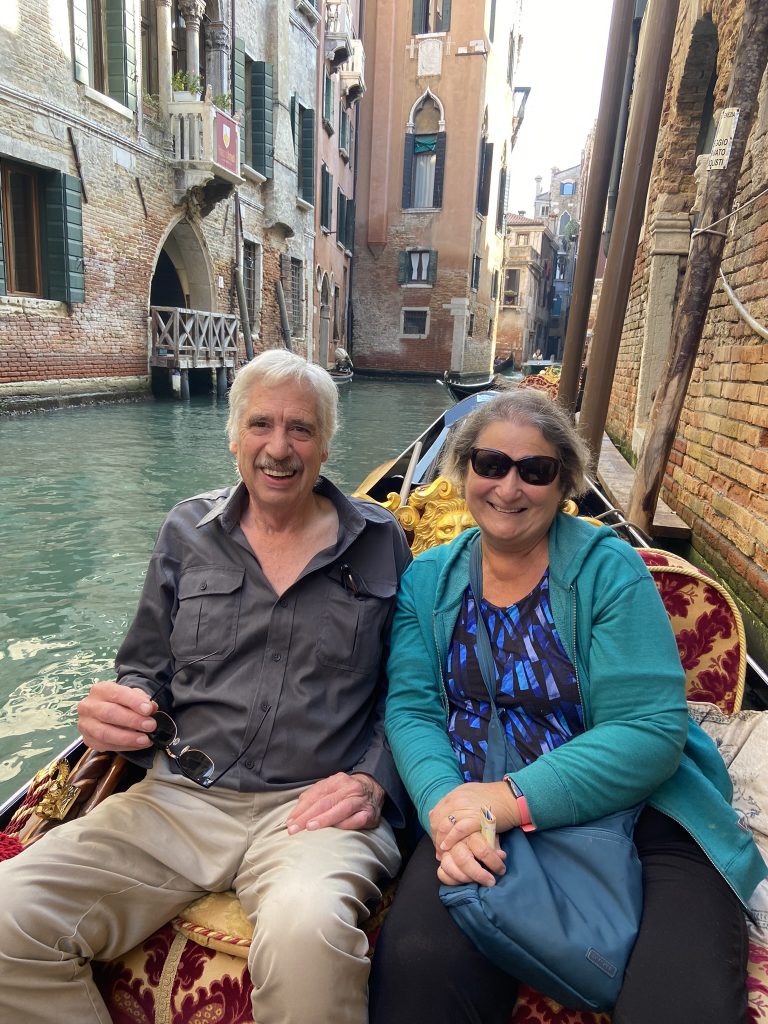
x=95, y=887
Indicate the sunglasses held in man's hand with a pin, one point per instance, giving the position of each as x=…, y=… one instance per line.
x=491, y=464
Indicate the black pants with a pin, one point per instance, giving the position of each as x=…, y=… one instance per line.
x=688, y=965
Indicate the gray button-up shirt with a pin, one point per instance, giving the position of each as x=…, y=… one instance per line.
x=292, y=688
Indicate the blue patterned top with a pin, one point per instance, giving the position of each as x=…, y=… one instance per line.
x=537, y=695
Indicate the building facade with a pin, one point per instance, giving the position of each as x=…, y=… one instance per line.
x=530, y=255
x=160, y=173
x=716, y=477
x=435, y=143
x=560, y=207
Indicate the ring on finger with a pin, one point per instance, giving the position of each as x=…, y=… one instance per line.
x=452, y=819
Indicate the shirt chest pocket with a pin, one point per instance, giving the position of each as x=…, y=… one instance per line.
x=207, y=616
x=352, y=625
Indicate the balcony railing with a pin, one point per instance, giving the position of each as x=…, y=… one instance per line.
x=352, y=74
x=192, y=338
x=206, y=143
x=338, y=32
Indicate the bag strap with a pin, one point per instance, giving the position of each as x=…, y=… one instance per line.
x=483, y=645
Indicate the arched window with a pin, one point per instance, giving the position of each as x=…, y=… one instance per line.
x=424, y=155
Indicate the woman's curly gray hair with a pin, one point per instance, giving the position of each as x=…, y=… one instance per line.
x=521, y=405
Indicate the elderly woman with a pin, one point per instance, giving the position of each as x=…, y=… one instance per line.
x=590, y=691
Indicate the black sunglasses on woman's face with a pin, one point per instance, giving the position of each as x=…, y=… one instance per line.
x=491, y=464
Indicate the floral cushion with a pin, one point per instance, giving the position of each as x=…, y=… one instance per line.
x=708, y=628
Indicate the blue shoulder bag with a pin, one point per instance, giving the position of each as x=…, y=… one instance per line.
x=565, y=915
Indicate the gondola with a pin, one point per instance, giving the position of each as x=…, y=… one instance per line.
x=341, y=376
x=88, y=777
x=458, y=389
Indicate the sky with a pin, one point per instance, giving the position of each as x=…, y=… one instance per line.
x=562, y=61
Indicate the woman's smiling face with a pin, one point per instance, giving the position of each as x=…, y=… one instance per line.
x=512, y=515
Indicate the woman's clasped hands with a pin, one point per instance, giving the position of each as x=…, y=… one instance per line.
x=455, y=823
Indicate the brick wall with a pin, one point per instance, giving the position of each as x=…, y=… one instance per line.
x=715, y=478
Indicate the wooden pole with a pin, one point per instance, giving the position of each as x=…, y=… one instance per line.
x=647, y=102
x=701, y=272
x=594, y=206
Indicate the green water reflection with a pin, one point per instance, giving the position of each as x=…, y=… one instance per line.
x=85, y=491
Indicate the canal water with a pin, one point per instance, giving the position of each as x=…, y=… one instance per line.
x=84, y=493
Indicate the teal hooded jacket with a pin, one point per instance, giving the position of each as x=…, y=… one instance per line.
x=638, y=744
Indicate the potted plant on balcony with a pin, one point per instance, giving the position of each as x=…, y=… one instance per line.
x=186, y=86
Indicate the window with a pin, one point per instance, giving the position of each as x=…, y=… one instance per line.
x=336, y=312
x=415, y=322
x=254, y=98
x=303, y=123
x=297, y=298
x=149, y=80
x=512, y=288
x=326, y=198
x=104, y=47
x=41, y=233
x=490, y=328
x=495, y=285
x=431, y=16
x=418, y=266
x=328, y=104
x=475, y=281
x=522, y=240
x=567, y=188
x=501, y=201
x=424, y=155
x=252, y=279
x=345, y=221
x=471, y=325
x=345, y=133
x=484, y=168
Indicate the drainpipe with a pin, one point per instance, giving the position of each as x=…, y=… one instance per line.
x=594, y=206
x=647, y=102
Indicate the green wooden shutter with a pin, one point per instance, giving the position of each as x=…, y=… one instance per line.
x=484, y=184
x=445, y=21
x=80, y=40
x=350, y=226
x=417, y=22
x=437, y=200
x=408, y=170
x=307, y=169
x=64, y=236
x=262, y=114
x=432, y=268
x=403, y=267
x=2, y=254
x=326, y=197
x=501, y=202
x=238, y=90
x=121, y=52
x=293, y=121
x=492, y=21
x=341, y=216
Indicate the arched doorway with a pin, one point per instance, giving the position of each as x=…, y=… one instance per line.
x=325, y=321
x=182, y=287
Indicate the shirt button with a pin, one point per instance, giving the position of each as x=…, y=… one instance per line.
x=264, y=706
x=249, y=765
x=283, y=603
x=276, y=656
x=203, y=585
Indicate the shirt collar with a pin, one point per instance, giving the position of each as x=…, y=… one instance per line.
x=229, y=505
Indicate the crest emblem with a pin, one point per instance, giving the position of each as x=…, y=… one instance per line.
x=226, y=135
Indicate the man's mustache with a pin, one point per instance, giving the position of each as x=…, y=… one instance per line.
x=273, y=466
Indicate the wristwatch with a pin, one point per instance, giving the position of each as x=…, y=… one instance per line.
x=522, y=805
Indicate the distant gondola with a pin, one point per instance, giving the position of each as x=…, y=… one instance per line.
x=458, y=390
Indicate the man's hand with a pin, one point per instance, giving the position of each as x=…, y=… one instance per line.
x=471, y=860
x=114, y=717
x=458, y=815
x=341, y=801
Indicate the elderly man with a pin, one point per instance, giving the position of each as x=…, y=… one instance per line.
x=250, y=686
